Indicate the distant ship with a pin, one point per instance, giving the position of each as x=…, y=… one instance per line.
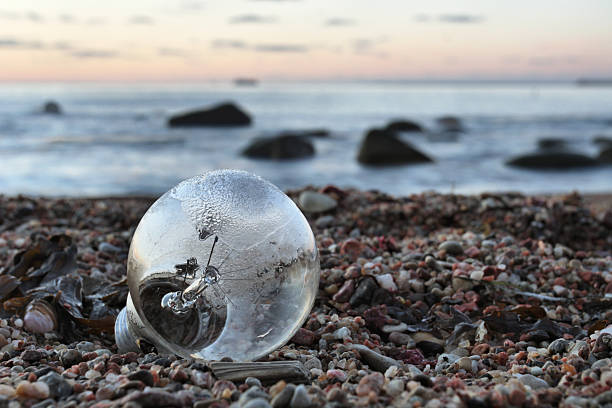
x=246, y=82
x=594, y=82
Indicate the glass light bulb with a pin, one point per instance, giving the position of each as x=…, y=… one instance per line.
x=222, y=265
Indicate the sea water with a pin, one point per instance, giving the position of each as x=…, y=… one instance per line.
x=113, y=138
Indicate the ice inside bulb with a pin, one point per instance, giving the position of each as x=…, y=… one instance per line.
x=222, y=265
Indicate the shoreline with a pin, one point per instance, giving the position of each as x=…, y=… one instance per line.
x=477, y=300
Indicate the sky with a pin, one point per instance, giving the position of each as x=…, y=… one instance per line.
x=183, y=40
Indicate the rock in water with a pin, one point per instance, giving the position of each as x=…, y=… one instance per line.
x=226, y=114
x=605, y=155
x=52, y=108
x=450, y=123
x=381, y=147
x=313, y=202
x=603, y=141
x=552, y=160
x=404, y=126
x=547, y=143
x=280, y=147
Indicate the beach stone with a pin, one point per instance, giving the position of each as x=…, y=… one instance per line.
x=451, y=247
x=605, y=155
x=552, y=160
x=300, y=398
x=403, y=126
x=31, y=356
x=283, y=398
x=151, y=398
x=59, y=387
x=558, y=346
x=395, y=387
x=7, y=391
x=142, y=375
x=402, y=339
x=279, y=147
x=575, y=401
x=325, y=221
x=253, y=382
x=450, y=123
x=380, y=147
x=251, y=394
x=52, y=107
x=313, y=202
x=70, y=357
x=604, y=362
x=108, y=248
x=303, y=337
x=85, y=346
x=363, y=293
x=256, y=403
x=533, y=382
x=345, y=292
x=374, y=360
x=35, y=390
x=370, y=383
x=386, y=282
x=226, y=114
x=313, y=362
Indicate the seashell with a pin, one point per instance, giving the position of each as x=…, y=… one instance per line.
x=40, y=317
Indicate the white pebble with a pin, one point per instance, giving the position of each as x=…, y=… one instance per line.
x=386, y=282
x=18, y=323
x=91, y=374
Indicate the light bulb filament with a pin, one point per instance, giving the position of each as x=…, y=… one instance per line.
x=180, y=302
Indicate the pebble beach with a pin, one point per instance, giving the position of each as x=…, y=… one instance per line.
x=427, y=300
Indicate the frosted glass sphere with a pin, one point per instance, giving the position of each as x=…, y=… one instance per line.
x=222, y=265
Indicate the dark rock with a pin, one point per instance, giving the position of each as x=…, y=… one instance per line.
x=59, y=387
x=374, y=360
x=451, y=247
x=307, y=133
x=52, y=108
x=404, y=126
x=363, y=293
x=603, y=141
x=257, y=403
x=300, y=398
x=380, y=147
x=429, y=348
x=552, y=160
x=279, y=147
x=605, y=155
x=401, y=339
x=70, y=357
x=450, y=123
x=547, y=143
x=283, y=398
x=226, y=114
x=142, y=375
x=345, y=292
x=31, y=356
x=152, y=398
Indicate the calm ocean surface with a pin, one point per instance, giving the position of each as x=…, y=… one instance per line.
x=113, y=138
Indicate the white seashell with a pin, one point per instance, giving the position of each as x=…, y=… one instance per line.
x=40, y=317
